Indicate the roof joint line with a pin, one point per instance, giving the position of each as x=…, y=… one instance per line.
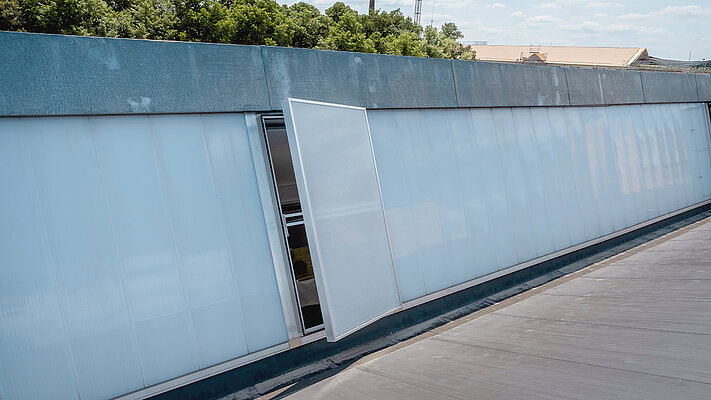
x=567, y=85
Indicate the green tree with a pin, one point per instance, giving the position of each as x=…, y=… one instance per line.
x=450, y=30
x=405, y=44
x=383, y=28
x=468, y=54
x=392, y=23
x=70, y=17
x=337, y=10
x=12, y=16
x=259, y=22
x=431, y=44
x=255, y=22
x=308, y=24
x=200, y=21
x=146, y=19
x=347, y=35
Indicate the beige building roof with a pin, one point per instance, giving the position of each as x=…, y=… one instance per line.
x=592, y=56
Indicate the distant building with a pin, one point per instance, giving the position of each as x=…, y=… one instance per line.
x=561, y=55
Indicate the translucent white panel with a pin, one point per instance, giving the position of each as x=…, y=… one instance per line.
x=345, y=222
x=501, y=227
x=532, y=180
x=624, y=188
x=515, y=184
x=35, y=355
x=401, y=190
x=167, y=347
x=134, y=251
x=236, y=183
x=551, y=180
x=570, y=206
x=455, y=247
x=200, y=230
x=86, y=270
x=527, y=182
x=584, y=167
x=477, y=257
x=151, y=271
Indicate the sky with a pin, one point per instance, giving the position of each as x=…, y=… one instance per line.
x=668, y=29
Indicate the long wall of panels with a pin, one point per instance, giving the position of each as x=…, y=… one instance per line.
x=472, y=191
x=133, y=250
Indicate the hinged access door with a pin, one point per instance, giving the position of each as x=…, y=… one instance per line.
x=343, y=212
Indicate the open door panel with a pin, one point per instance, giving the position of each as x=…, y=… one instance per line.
x=343, y=212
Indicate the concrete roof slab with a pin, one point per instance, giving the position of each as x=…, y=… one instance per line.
x=357, y=79
x=668, y=87
x=500, y=84
x=589, y=86
x=55, y=74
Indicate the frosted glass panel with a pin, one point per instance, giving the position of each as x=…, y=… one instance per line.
x=339, y=193
x=133, y=251
x=468, y=192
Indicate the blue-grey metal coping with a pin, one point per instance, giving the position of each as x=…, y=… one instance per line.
x=45, y=74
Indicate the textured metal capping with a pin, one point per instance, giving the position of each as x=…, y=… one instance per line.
x=73, y=75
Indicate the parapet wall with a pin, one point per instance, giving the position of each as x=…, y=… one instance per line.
x=70, y=75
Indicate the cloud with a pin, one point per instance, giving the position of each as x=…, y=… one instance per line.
x=634, y=16
x=386, y=4
x=671, y=12
x=496, y=5
x=603, y=4
x=547, y=6
x=543, y=19
x=447, y=3
x=519, y=14
x=600, y=15
x=683, y=11
x=571, y=2
x=489, y=29
x=596, y=27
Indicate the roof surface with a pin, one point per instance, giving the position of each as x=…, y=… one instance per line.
x=636, y=326
x=591, y=56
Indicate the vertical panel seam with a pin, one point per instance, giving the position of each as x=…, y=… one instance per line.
x=262, y=49
x=567, y=85
x=641, y=82
x=454, y=80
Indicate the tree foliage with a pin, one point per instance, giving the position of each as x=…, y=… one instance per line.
x=255, y=22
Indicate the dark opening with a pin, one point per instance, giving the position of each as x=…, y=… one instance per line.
x=293, y=219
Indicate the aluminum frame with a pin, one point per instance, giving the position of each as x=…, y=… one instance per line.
x=275, y=227
x=285, y=229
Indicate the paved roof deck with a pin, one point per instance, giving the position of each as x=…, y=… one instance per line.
x=636, y=326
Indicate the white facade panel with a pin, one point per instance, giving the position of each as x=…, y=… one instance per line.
x=134, y=250
x=492, y=188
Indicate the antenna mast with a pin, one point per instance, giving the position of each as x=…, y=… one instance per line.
x=418, y=11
